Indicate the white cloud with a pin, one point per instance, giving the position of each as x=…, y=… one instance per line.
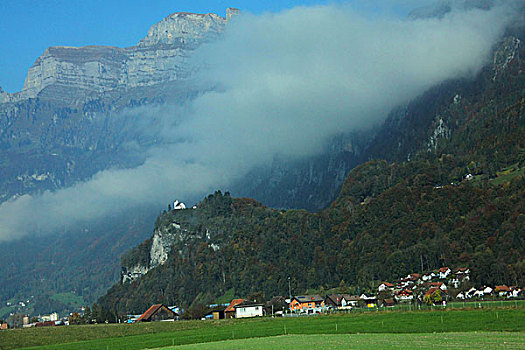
x=286, y=83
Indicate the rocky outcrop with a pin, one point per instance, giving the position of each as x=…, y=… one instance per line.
x=164, y=239
x=508, y=50
x=183, y=28
x=441, y=130
x=77, y=74
x=133, y=273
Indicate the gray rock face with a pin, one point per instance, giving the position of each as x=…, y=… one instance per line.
x=88, y=71
x=163, y=241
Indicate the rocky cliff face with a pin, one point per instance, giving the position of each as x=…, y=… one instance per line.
x=88, y=71
x=164, y=239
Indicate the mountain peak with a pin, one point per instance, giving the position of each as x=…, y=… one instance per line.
x=185, y=27
x=158, y=58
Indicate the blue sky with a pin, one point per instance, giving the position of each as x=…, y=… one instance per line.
x=28, y=27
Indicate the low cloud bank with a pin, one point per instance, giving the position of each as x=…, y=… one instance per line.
x=285, y=84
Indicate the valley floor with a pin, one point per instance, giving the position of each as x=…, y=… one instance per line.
x=466, y=328
x=474, y=340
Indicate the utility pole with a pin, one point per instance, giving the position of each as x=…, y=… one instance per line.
x=289, y=289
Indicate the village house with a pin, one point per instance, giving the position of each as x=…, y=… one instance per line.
x=385, y=286
x=349, y=301
x=461, y=296
x=502, y=291
x=487, y=290
x=471, y=292
x=307, y=304
x=478, y=294
x=461, y=276
x=463, y=271
x=444, y=272
x=215, y=314
x=248, y=309
x=333, y=301
x=388, y=302
x=218, y=314
x=455, y=282
x=482, y=292
x=414, y=277
x=428, y=276
x=369, y=301
x=515, y=292
x=47, y=318
x=276, y=305
x=411, y=280
x=229, y=312
x=157, y=312
x=439, y=285
x=404, y=295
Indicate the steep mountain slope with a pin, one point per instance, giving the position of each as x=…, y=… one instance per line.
x=64, y=125
x=452, y=194
x=49, y=142
x=72, y=119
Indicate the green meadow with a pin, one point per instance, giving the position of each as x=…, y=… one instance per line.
x=472, y=340
x=380, y=326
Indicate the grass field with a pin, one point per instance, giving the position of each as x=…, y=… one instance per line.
x=484, y=304
x=69, y=298
x=161, y=334
x=473, y=340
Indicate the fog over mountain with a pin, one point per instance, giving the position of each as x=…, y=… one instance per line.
x=283, y=84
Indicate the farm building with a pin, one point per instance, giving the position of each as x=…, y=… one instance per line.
x=333, y=300
x=248, y=309
x=157, y=312
x=229, y=312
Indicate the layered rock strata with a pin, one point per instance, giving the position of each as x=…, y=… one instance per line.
x=79, y=73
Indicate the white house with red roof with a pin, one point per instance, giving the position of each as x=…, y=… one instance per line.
x=444, y=272
x=385, y=286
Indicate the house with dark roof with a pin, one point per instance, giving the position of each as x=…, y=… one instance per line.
x=349, y=301
x=368, y=300
x=157, y=312
x=276, y=304
x=333, y=300
x=388, y=302
x=307, y=304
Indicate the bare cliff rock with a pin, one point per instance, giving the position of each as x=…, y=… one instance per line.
x=78, y=74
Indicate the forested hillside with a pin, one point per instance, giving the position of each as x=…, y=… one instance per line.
x=450, y=193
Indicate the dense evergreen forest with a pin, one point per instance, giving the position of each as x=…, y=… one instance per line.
x=444, y=186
